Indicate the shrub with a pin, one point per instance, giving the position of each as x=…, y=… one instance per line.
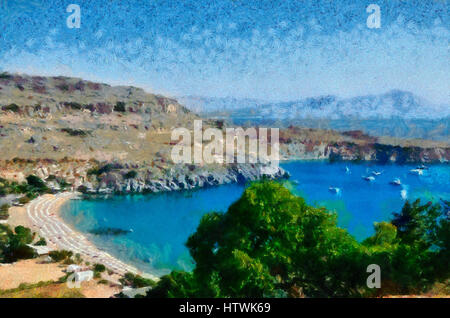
x=5, y=75
x=61, y=255
x=51, y=177
x=99, y=170
x=4, y=212
x=93, y=171
x=41, y=242
x=75, y=132
x=73, y=105
x=119, y=107
x=136, y=281
x=130, y=174
x=11, y=107
x=99, y=268
x=78, y=258
x=24, y=200
x=36, y=182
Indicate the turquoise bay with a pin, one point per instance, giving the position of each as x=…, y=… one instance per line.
x=158, y=225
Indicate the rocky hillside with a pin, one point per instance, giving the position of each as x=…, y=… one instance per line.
x=307, y=143
x=99, y=137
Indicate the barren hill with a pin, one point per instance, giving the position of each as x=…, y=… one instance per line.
x=108, y=138
x=94, y=134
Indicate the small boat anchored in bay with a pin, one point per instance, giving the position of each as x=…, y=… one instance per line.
x=417, y=172
x=334, y=190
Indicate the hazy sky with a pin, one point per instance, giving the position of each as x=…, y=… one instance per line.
x=273, y=50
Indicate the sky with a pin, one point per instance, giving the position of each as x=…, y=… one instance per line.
x=267, y=49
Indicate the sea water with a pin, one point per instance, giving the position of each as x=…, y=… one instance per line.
x=156, y=226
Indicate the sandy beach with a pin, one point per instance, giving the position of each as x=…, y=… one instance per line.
x=43, y=216
x=28, y=271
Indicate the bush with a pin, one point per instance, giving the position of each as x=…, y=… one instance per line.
x=5, y=75
x=41, y=242
x=78, y=259
x=75, y=132
x=11, y=107
x=136, y=281
x=58, y=256
x=99, y=170
x=36, y=183
x=119, y=107
x=24, y=200
x=130, y=174
x=51, y=177
x=74, y=105
x=4, y=212
x=99, y=268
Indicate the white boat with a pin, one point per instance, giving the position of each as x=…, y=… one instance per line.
x=334, y=190
x=396, y=182
x=369, y=178
x=404, y=194
x=418, y=172
x=347, y=169
x=376, y=173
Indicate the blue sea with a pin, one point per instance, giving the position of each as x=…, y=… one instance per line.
x=158, y=225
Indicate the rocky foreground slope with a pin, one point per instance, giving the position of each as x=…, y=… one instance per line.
x=100, y=138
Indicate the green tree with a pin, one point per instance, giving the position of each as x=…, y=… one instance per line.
x=36, y=183
x=13, y=245
x=270, y=243
x=385, y=233
x=417, y=224
x=177, y=284
x=411, y=250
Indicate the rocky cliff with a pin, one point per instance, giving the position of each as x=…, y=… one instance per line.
x=309, y=144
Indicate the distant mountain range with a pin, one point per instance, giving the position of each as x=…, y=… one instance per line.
x=204, y=105
x=395, y=103
x=396, y=113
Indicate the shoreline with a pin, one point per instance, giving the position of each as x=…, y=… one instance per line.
x=44, y=218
